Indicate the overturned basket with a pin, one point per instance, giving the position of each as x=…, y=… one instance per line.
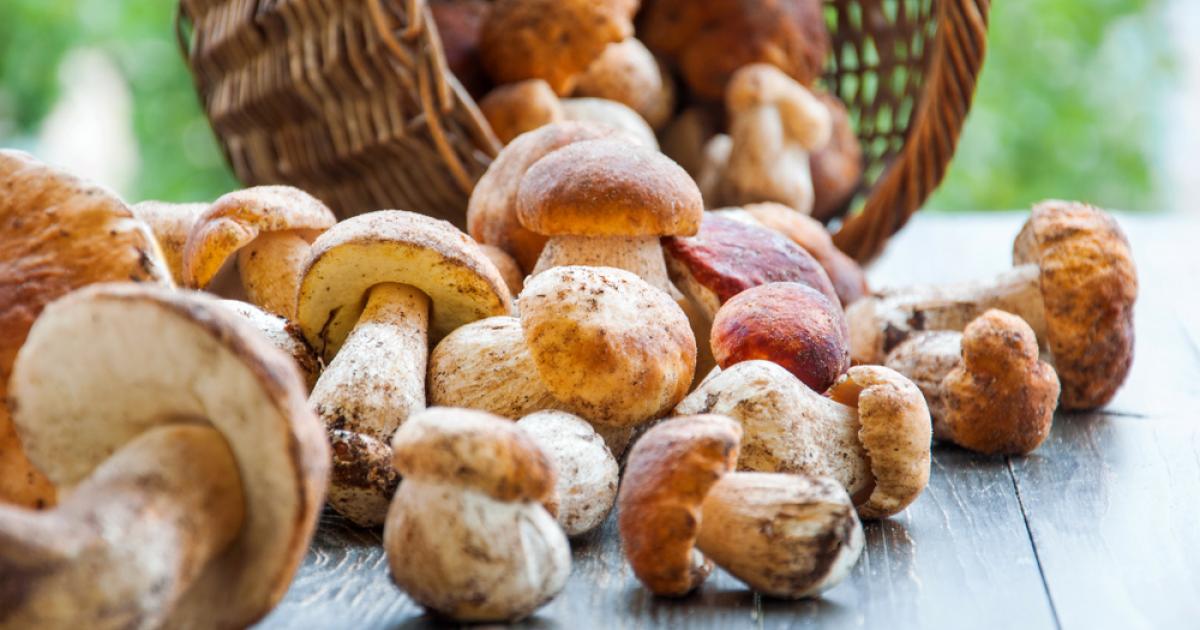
x=352, y=100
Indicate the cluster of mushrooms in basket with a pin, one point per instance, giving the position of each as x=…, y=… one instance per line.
x=723, y=379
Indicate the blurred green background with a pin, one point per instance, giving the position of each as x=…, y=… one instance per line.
x=1079, y=99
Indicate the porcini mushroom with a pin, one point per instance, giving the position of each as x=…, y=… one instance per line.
x=587, y=472
x=57, y=233
x=606, y=203
x=516, y=108
x=282, y=334
x=269, y=228
x=681, y=508
x=507, y=266
x=467, y=535
x=612, y=114
x=986, y=389
x=1074, y=283
x=871, y=434
x=628, y=73
x=191, y=467
x=376, y=290
x=170, y=223
x=837, y=167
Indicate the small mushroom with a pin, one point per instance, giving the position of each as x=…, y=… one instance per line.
x=612, y=114
x=1074, y=283
x=628, y=73
x=57, y=233
x=516, y=108
x=467, y=535
x=837, y=168
x=606, y=203
x=269, y=228
x=376, y=290
x=507, y=266
x=282, y=334
x=986, y=389
x=170, y=223
x=787, y=323
x=190, y=465
x=871, y=434
x=681, y=509
x=587, y=472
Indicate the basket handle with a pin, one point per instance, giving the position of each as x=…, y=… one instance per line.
x=956, y=60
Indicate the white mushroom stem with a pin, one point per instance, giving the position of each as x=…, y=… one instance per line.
x=640, y=255
x=270, y=268
x=880, y=323
x=129, y=541
x=926, y=359
x=763, y=164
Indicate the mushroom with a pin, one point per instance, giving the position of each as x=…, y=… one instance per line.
x=375, y=291
x=282, y=334
x=1074, y=283
x=492, y=209
x=628, y=73
x=57, y=233
x=711, y=40
x=587, y=472
x=837, y=168
x=606, y=344
x=553, y=40
x=606, y=203
x=190, y=466
x=467, y=535
x=871, y=434
x=986, y=389
x=682, y=509
x=459, y=23
x=170, y=223
x=509, y=270
x=775, y=123
x=849, y=281
x=686, y=136
x=269, y=228
x=787, y=323
x=516, y=108
x=610, y=113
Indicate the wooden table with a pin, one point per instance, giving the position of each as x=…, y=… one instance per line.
x=1100, y=528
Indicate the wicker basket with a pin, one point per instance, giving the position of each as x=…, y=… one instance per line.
x=352, y=101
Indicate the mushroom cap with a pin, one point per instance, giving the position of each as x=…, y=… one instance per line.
x=509, y=270
x=628, y=73
x=895, y=430
x=237, y=218
x=669, y=472
x=711, y=40
x=400, y=247
x=608, y=188
x=1001, y=398
x=787, y=323
x=610, y=113
x=612, y=348
x=57, y=233
x=554, y=40
x=587, y=472
x=110, y=362
x=1089, y=285
x=492, y=209
x=516, y=108
x=805, y=119
x=727, y=256
x=473, y=449
x=282, y=334
x=171, y=223
x=837, y=168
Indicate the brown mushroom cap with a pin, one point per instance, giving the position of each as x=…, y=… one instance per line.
x=1089, y=285
x=554, y=40
x=895, y=432
x=612, y=348
x=628, y=73
x=837, y=168
x=170, y=223
x=787, y=323
x=516, y=108
x=237, y=218
x=57, y=233
x=727, y=256
x=667, y=476
x=492, y=209
x=138, y=357
x=473, y=449
x=398, y=247
x=608, y=188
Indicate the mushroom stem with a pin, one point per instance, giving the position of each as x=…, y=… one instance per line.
x=880, y=323
x=128, y=542
x=270, y=268
x=928, y=358
x=640, y=255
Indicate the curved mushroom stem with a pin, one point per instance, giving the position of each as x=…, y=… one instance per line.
x=640, y=255
x=880, y=323
x=129, y=541
x=376, y=380
x=270, y=268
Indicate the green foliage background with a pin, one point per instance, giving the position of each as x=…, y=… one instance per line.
x=1064, y=107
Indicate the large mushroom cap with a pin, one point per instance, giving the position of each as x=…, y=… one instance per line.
x=669, y=472
x=1089, y=286
x=399, y=247
x=108, y=363
x=57, y=233
x=237, y=218
x=608, y=345
x=608, y=188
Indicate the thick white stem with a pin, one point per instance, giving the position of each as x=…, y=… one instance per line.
x=270, y=268
x=926, y=359
x=640, y=255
